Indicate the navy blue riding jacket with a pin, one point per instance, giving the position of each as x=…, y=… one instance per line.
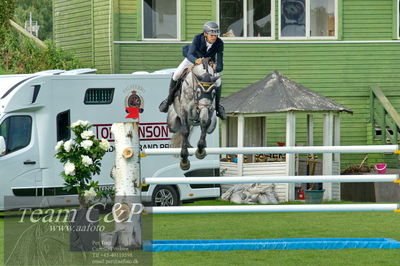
x=198, y=48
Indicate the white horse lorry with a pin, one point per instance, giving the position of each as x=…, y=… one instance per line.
x=37, y=109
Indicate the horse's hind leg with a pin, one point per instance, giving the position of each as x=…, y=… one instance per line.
x=185, y=130
x=173, y=121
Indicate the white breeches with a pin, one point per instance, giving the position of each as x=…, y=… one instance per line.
x=178, y=72
x=184, y=64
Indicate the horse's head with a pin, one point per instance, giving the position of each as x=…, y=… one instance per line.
x=204, y=85
x=205, y=89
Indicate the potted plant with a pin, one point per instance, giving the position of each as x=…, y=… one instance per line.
x=81, y=157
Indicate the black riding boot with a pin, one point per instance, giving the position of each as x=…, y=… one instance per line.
x=219, y=108
x=167, y=102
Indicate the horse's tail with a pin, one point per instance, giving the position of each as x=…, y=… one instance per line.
x=176, y=140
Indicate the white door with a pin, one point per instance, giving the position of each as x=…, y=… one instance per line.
x=20, y=173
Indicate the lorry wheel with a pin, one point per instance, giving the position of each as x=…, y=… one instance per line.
x=164, y=196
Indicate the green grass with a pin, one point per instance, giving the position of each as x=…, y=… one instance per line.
x=274, y=225
x=278, y=225
x=281, y=257
x=1, y=240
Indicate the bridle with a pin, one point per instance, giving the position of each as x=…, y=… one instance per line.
x=205, y=87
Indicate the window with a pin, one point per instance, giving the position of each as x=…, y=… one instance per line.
x=16, y=131
x=398, y=19
x=246, y=18
x=308, y=18
x=160, y=19
x=63, y=124
x=99, y=96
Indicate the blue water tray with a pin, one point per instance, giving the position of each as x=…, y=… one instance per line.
x=265, y=244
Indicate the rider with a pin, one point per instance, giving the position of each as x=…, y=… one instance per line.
x=206, y=44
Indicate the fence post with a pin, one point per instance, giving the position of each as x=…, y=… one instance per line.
x=372, y=112
x=127, y=206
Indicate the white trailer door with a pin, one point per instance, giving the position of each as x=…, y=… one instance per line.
x=20, y=172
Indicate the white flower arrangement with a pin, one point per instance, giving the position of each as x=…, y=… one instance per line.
x=81, y=157
x=87, y=134
x=80, y=123
x=90, y=194
x=69, y=168
x=86, y=160
x=86, y=144
x=104, y=144
x=68, y=145
x=59, y=146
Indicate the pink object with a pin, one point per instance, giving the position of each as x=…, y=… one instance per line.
x=380, y=168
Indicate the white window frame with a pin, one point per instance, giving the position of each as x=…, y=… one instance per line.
x=272, y=37
x=308, y=37
x=397, y=19
x=178, y=25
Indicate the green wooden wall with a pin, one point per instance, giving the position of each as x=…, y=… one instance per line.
x=102, y=35
x=73, y=28
x=84, y=27
x=342, y=70
x=128, y=17
x=197, y=12
x=367, y=19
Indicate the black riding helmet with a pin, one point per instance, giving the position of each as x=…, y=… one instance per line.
x=211, y=27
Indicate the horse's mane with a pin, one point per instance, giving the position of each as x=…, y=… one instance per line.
x=204, y=67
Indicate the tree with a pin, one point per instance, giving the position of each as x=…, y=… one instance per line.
x=42, y=12
x=6, y=12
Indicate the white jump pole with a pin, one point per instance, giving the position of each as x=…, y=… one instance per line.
x=270, y=179
x=274, y=208
x=281, y=150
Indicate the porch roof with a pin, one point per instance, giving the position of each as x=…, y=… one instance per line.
x=276, y=93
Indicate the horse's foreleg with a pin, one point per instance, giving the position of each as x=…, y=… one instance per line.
x=185, y=130
x=201, y=153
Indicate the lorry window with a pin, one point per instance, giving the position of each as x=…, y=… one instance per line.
x=16, y=131
x=203, y=172
x=63, y=124
x=36, y=90
x=200, y=173
x=99, y=96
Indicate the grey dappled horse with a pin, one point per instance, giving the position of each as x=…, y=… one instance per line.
x=194, y=106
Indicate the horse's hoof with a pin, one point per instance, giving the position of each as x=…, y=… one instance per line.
x=200, y=155
x=185, y=165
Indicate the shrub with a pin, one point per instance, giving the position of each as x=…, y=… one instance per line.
x=81, y=157
x=22, y=55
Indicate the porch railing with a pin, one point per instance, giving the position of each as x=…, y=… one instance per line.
x=385, y=119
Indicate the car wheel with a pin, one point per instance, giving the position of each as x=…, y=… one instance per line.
x=164, y=196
